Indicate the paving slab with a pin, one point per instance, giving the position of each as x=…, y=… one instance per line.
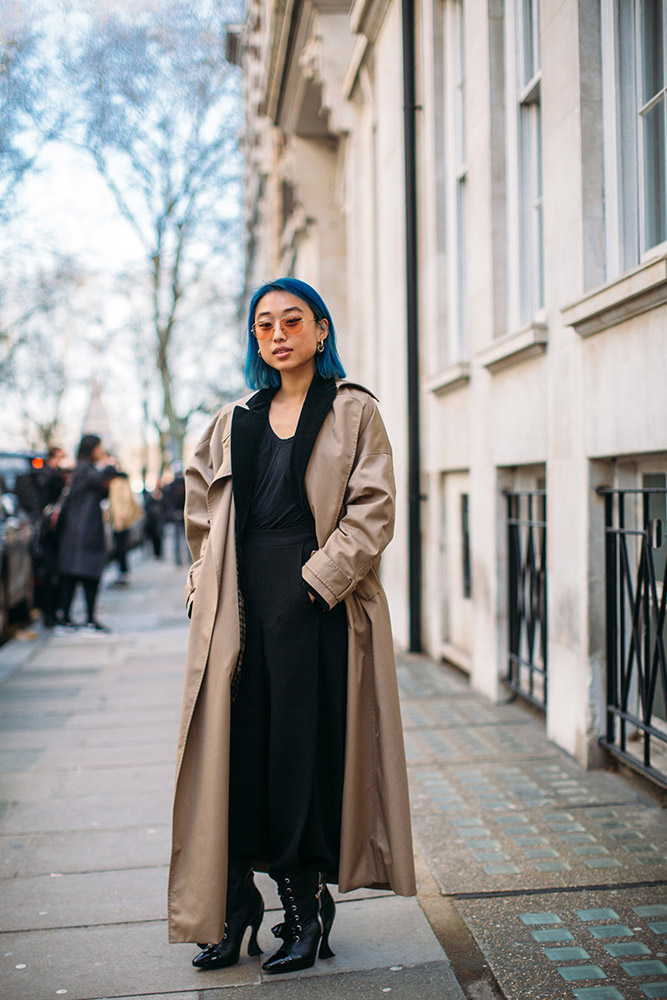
x=13, y=693
x=138, y=718
x=172, y=996
x=62, y=900
x=20, y=787
x=159, y=750
x=591, y=945
x=538, y=848
x=38, y=720
x=473, y=710
x=35, y=738
x=107, y=961
x=12, y=853
x=420, y=679
x=13, y=761
x=14, y=655
x=558, y=782
x=112, y=780
x=93, y=850
x=87, y=812
x=38, y=676
x=136, y=736
x=460, y=745
x=431, y=981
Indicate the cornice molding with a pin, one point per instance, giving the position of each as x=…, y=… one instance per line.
x=366, y=17
x=276, y=53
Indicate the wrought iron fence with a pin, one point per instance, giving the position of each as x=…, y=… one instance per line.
x=636, y=592
x=527, y=594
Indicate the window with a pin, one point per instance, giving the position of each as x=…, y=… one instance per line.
x=524, y=162
x=455, y=573
x=456, y=181
x=465, y=546
x=634, y=89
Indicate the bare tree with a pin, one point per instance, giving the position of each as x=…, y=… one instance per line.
x=39, y=309
x=29, y=297
x=29, y=117
x=42, y=385
x=159, y=112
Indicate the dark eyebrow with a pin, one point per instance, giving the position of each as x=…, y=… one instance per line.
x=289, y=309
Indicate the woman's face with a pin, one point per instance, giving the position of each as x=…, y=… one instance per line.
x=289, y=347
x=97, y=453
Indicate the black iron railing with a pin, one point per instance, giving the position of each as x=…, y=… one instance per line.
x=636, y=593
x=527, y=594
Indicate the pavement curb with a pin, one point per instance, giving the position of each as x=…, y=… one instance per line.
x=468, y=963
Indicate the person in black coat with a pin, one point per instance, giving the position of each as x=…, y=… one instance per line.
x=174, y=493
x=156, y=513
x=47, y=485
x=81, y=544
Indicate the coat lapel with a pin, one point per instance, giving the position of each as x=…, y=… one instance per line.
x=317, y=404
x=247, y=425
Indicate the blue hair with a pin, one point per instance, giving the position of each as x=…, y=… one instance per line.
x=258, y=374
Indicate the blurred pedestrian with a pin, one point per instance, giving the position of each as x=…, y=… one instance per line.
x=125, y=511
x=82, y=551
x=155, y=513
x=284, y=766
x=48, y=484
x=174, y=493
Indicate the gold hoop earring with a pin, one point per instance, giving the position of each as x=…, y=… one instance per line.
x=320, y=347
x=259, y=351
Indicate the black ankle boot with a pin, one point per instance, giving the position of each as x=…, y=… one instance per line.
x=245, y=908
x=309, y=913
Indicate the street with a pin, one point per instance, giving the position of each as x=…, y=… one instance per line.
x=537, y=880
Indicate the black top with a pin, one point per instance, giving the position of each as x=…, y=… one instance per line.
x=273, y=503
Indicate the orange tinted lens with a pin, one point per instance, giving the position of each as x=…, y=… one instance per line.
x=292, y=324
x=263, y=330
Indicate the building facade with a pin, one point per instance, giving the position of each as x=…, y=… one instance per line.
x=542, y=289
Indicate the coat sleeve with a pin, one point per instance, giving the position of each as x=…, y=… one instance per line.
x=198, y=477
x=367, y=522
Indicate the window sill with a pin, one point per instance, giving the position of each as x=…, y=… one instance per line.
x=447, y=379
x=635, y=292
x=514, y=348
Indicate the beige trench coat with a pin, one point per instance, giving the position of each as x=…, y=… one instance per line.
x=349, y=486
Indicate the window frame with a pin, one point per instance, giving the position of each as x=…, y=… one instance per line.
x=624, y=112
x=456, y=180
x=524, y=147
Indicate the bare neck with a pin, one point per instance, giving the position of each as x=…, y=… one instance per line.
x=294, y=387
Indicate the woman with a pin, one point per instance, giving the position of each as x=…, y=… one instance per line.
x=81, y=545
x=291, y=753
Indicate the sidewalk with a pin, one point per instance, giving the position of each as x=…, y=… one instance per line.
x=88, y=729
x=540, y=880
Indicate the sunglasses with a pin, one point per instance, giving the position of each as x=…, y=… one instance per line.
x=263, y=328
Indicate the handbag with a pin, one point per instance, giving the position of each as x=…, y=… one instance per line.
x=52, y=513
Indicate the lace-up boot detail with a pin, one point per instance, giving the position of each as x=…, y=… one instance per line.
x=309, y=913
x=245, y=908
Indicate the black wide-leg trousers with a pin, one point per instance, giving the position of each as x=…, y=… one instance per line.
x=287, y=749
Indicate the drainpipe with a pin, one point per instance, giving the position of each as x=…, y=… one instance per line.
x=414, y=470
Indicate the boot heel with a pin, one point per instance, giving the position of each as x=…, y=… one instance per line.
x=325, y=950
x=253, y=946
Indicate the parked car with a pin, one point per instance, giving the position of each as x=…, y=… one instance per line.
x=16, y=578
